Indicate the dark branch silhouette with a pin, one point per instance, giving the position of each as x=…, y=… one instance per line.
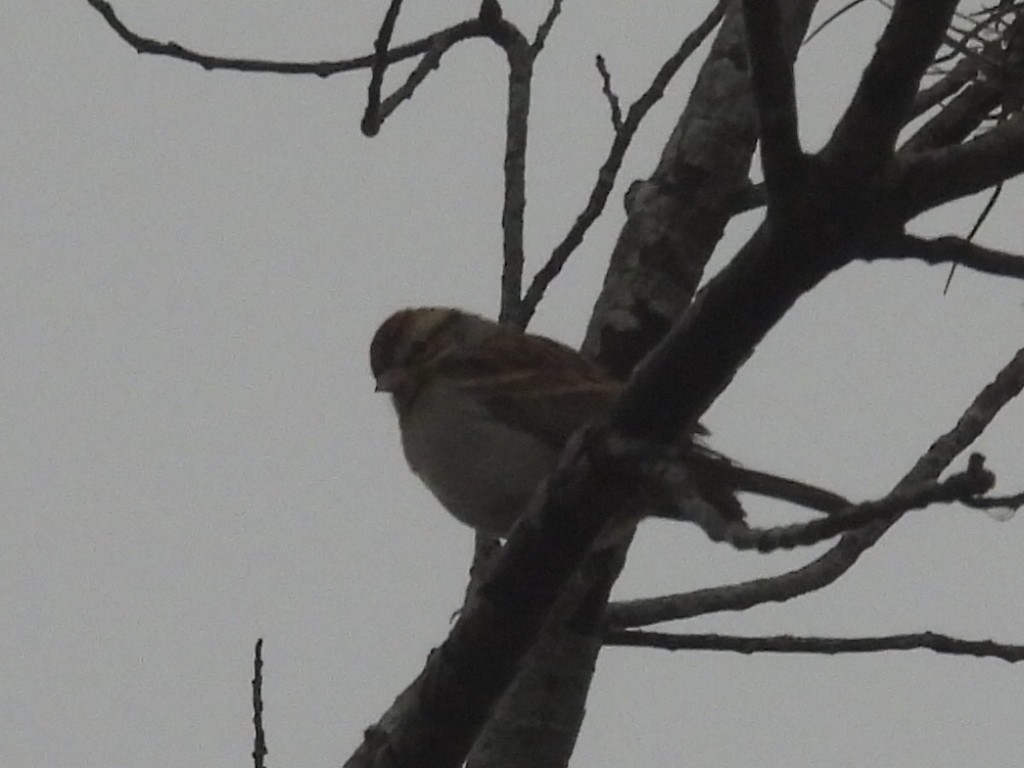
x=929, y=179
x=864, y=139
x=948, y=250
x=964, y=487
x=842, y=556
x=609, y=93
x=259, y=746
x=372, y=118
x=545, y=27
x=932, y=641
x=782, y=159
x=457, y=33
x=610, y=168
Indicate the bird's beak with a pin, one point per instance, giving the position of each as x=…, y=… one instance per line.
x=390, y=381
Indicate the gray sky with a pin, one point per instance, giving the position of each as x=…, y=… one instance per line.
x=193, y=265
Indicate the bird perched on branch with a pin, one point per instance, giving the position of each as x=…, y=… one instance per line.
x=485, y=411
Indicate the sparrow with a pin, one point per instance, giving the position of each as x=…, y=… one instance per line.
x=485, y=411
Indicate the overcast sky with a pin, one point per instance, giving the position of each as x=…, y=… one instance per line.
x=193, y=456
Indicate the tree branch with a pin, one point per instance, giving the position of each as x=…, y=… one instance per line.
x=457, y=33
x=864, y=139
x=430, y=61
x=929, y=179
x=372, y=117
x=962, y=73
x=610, y=168
x=677, y=216
x=956, y=120
x=259, y=747
x=775, y=97
x=513, y=215
x=544, y=29
x=681, y=377
x=948, y=250
x=819, y=645
x=992, y=73
x=963, y=487
x=609, y=94
x=750, y=196
x=821, y=572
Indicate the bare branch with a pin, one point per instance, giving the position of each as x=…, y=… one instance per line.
x=980, y=25
x=545, y=28
x=946, y=250
x=963, y=487
x=997, y=190
x=430, y=61
x=674, y=385
x=926, y=180
x=371, y=117
x=819, y=645
x=676, y=217
x=520, y=74
x=455, y=34
x=956, y=120
x=993, y=70
x=609, y=94
x=826, y=569
x=1010, y=503
x=610, y=168
x=259, y=748
x=772, y=83
x=963, y=72
x=863, y=141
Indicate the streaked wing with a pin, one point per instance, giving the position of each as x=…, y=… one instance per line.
x=551, y=392
x=551, y=410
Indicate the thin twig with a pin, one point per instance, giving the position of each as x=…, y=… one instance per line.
x=963, y=72
x=545, y=28
x=945, y=250
x=609, y=94
x=971, y=62
x=824, y=570
x=956, y=119
x=609, y=169
x=372, y=118
x=989, y=205
x=820, y=645
x=513, y=214
x=962, y=486
x=259, y=749
x=1010, y=60
x=929, y=179
x=1011, y=503
x=464, y=30
x=430, y=61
